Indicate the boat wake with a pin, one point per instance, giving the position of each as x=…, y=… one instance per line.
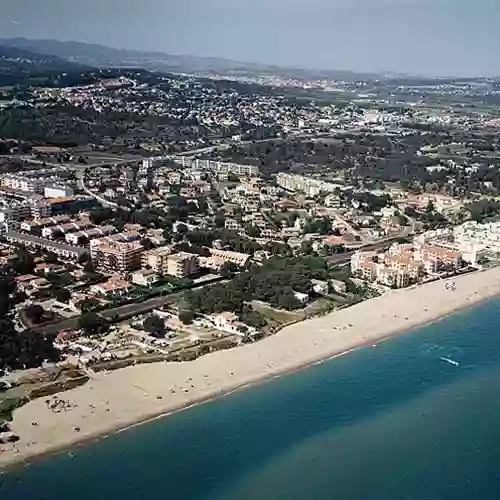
x=450, y=361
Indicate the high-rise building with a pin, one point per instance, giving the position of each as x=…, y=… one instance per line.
x=117, y=254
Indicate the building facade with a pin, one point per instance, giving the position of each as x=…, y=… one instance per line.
x=182, y=265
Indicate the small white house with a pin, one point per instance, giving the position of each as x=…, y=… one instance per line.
x=338, y=286
x=145, y=277
x=320, y=287
x=301, y=297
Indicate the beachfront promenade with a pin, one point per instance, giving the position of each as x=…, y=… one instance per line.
x=118, y=399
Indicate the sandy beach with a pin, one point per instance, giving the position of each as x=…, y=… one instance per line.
x=116, y=400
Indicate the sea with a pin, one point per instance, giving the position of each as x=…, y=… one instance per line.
x=414, y=418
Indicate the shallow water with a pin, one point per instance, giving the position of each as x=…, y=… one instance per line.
x=392, y=422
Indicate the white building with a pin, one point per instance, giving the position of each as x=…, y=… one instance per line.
x=21, y=183
x=307, y=185
x=144, y=277
x=57, y=191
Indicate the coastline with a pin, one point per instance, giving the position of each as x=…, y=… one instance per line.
x=118, y=401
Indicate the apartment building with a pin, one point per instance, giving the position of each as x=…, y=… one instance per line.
x=116, y=255
x=239, y=259
x=182, y=265
x=474, y=234
x=62, y=229
x=63, y=250
x=441, y=257
x=310, y=187
x=393, y=277
x=222, y=170
x=21, y=183
x=30, y=225
x=407, y=264
x=57, y=191
x=89, y=234
x=156, y=259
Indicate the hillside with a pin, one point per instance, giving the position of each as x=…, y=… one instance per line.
x=14, y=60
x=99, y=56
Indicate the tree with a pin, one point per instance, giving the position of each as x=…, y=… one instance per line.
x=88, y=305
x=51, y=258
x=321, y=226
x=220, y=221
x=287, y=300
x=186, y=316
x=147, y=244
x=155, y=326
x=63, y=295
x=88, y=267
x=228, y=269
x=34, y=313
x=92, y=324
x=25, y=263
x=252, y=231
x=306, y=248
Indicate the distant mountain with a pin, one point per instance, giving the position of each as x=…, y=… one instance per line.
x=104, y=57
x=99, y=56
x=19, y=61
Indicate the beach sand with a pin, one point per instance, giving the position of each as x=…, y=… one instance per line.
x=119, y=399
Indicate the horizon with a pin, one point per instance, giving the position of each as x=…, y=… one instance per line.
x=438, y=38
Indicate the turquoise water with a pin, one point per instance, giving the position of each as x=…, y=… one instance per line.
x=393, y=422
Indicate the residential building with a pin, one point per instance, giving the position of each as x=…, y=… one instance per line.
x=114, y=286
x=441, y=257
x=228, y=322
x=338, y=286
x=55, y=191
x=303, y=298
x=367, y=271
x=114, y=255
x=310, y=187
x=63, y=250
x=52, y=232
x=89, y=234
x=22, y=183
x=393, y=277
x=32, y=285
x=232, y=225
x=223, y=320
x=156, y=259
x=320, y=287
x=239, y=259
x=182, y=264
x=144, y=277
x=30, y=225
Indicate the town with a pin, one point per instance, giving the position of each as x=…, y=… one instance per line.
x=148, y=217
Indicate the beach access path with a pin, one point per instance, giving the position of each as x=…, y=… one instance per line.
x=115, y=400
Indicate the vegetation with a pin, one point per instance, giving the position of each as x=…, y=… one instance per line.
x=186, y=316
x=155, y=326
x=35, y=314
x=275, y=282
x=19, y=350
x=482, y=209
x=92, y=324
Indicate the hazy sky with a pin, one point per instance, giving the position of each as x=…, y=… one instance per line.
x=435, y=37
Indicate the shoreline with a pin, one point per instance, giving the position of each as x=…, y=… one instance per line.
x=270, y=358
